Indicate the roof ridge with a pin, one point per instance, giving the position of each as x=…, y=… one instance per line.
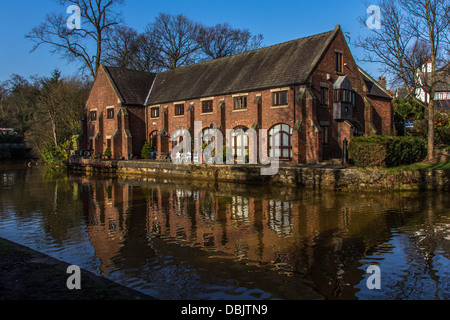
x=267, y=67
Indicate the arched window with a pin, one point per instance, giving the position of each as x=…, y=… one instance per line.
x=280, y=142
x=179, y=136
x=153, y=139
x=240, y=142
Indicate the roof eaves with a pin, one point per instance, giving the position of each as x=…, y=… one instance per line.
x=149, y=102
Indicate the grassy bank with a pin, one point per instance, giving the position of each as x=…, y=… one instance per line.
x=423, y=167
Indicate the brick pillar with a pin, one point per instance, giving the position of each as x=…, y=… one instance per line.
x=98, y=140
x=313, y=145
x=368, y=119
x=298, y=143
x=116, y=140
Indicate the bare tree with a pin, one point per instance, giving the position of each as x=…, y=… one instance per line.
x=127, y=48
x=412, y=37
x=119, y=50
x=175, y=37
x=84, y=45
x=222, y=40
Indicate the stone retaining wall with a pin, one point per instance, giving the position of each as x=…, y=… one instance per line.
x=318, y=177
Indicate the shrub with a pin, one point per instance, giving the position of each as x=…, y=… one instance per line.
x=441, y=129
x=58, y=155
x=107, y=152
x=146, y=150
x=386, y=151
x=442, y=135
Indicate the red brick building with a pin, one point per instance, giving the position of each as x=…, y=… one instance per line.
x=115, y=112
x=309, y=94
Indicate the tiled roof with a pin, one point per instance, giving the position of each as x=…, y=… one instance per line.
x=132, y=86
x=285, y=64
x=280, y=65
x=374, y=88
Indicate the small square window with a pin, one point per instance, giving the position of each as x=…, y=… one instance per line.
x=93, y=115
x=207, y=106
x=110, y=113
x=179, y=109
x=154, y=113
x=240, y=103
x=280, y=98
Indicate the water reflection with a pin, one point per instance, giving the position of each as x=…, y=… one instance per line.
x=185, y=240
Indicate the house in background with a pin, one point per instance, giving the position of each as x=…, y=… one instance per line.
x=442, y=89
x=309, y=94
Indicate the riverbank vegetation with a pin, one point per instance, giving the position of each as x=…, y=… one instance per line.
x=47, y=109
x=422, y=167
x=47, y=112
x=387, y=151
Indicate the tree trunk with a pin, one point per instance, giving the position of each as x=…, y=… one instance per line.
x=431, y=130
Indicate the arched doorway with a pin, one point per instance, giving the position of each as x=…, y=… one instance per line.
x=153, y=139
x=240, y=142
x=280, y=142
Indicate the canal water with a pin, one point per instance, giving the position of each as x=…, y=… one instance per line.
x=180, y=239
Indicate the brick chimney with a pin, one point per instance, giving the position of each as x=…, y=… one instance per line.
x=382, y=81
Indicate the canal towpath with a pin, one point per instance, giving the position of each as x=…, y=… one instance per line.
x=26, y=274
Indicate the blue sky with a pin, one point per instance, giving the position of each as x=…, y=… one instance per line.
x=278, y=21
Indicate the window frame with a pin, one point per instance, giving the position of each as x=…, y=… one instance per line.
x=179, y=107
x=277, y=98
x=273, y=133
x=324, y=97
x=152, y=115
x=240, y=103
x=240, y=142
x=110, y=113
x=207, y=106
x=91, y=113
x=339, y=61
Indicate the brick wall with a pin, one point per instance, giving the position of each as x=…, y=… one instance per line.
x=382, y=115
x=103, y=97
x=318, y=137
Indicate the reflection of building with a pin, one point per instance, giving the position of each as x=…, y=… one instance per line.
x=312, y=235
x=106, y=210
x=308, y=94
x=268, y=232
